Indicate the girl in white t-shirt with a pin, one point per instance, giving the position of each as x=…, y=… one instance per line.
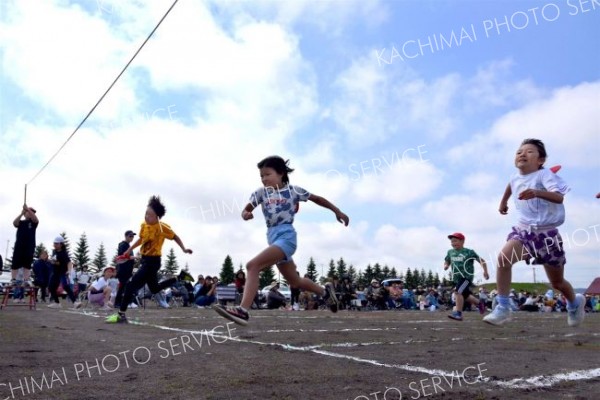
x=535, y=238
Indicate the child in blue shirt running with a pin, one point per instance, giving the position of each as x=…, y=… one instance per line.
x=279, y=201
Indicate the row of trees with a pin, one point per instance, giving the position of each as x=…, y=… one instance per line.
x=412, y=277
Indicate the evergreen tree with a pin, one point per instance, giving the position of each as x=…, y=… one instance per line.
x=186, y=268
x=331, y=271
x=430, y=281
x=82, y=256
x=416, y=278
x=401, y=277
x=170, y=266
x=360, y=278
x=66, y=243
x=409, y=280
x=311, y=270
x=377, y=274
x=100, y=260
x=369, y=274
x=341, y=268
x=352, y=273
x=386, y=272
x=423, y=277
x=394, y=273
x=436, y=280
x=227, y=275
x=265, y=277
x=38, y=249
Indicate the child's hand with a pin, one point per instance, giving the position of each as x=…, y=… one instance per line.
x=528, y=194
x=188, y=251
x=486, y=275
x=246, y=215
x=503, y=208
x=342, y=218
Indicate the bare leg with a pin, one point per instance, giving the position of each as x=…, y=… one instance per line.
x=460, y=302
x=473, y=300
x=288, y=270
x=511, y=253
x=558, y=281
x=264, y=259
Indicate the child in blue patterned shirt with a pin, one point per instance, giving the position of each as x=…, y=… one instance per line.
x=279, y=202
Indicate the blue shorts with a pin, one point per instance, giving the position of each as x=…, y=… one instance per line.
x=284, y=237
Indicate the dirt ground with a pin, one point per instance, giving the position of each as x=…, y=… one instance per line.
x=189, y=353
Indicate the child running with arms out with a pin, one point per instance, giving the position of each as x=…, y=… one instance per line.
x=279, y=202
x=152, y=235
x=540, y=210
x=461, y=260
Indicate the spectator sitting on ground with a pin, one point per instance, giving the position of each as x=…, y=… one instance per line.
x=100, y=291
x=240, y=281
x=361, y=295
x=431, y=300
x=394, y=296
x=83, y=278
x=206, y=294
x=376, y=295
x=530, y=304
x=275, y=299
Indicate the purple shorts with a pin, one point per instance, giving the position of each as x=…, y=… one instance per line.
x=97, y=298
x=540, y=247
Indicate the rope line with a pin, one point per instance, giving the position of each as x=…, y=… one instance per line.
x=102, y=97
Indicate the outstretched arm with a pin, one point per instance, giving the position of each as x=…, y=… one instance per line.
x=485, y=270
x=323, y=202
x=180, y=243
x=503, y=208
x=128, y=252
x=16, y=221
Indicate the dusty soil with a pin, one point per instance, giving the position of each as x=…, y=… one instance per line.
x=189, y=353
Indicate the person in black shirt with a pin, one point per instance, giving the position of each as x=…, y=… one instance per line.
x=62, y=267
x=24, y=244
x=124, y=270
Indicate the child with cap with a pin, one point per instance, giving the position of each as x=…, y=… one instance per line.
x=461, y=260
x=152, y=235
x=63, y=266
x=100, y=291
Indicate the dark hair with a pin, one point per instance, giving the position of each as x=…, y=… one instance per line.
x=158, y=207
x=540, y=146
x=279, y=165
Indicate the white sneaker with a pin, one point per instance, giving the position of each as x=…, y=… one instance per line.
x=106, y=307
x=54, y=305
x=77, y=304
x=133, y=305
x=296, y=307
x=575, y=317
x=498, y=316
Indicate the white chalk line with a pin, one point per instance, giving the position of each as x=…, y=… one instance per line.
x=535, y=382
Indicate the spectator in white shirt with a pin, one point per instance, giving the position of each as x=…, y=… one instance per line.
x=100, y=291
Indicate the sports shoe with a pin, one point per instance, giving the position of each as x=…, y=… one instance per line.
x=498, y=316
x=575, y=317
x=456, y=316
x=77, y=305
x=163, y=304
x=106, y=307
x=27, y=283
x=235, y=314
x=54, y=305
x=117, y=319
x=330, y=298
x=481, y=307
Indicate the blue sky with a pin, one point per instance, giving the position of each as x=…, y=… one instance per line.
x=411, y=149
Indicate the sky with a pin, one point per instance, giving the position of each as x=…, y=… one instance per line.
x=404, y=114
